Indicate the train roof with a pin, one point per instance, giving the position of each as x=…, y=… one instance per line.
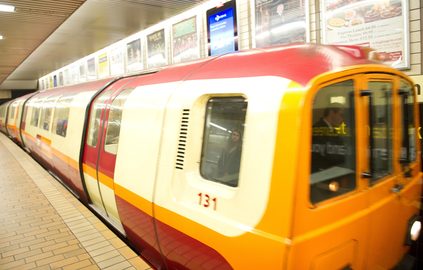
x=299, y=63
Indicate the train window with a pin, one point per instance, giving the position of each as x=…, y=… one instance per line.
x=12, y=111
x=408, y=145
x=222, y=142
x=381, y=163
x=46, y=113
x=333, y=142
x=35, y=114
x=113, y=124
x=61, y=116
x=95, y=117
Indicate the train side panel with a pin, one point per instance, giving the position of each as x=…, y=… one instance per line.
x=205, y=220
x=66, y=140
x=137, y=168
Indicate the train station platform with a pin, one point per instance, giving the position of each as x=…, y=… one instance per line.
x=43, y=226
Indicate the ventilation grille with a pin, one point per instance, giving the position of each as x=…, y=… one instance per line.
x=182, y=143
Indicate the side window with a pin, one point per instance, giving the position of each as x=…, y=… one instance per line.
x=12, y=111
x=46, y=114
x=408, y=145
x=35, y=114
x=381, y=144
x=95, y=117
x=61, y=116
x=113, y=124
x=222, y=141
x=333, y=142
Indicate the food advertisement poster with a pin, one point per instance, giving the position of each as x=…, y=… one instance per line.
x=117, y=62
x=222, y=29
x=133, y=56
x=379, y=24
x=103, y=65
x=185, y=41
x=280, y=22
x=156, y=48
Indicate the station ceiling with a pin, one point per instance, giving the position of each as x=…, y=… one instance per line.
x=44, y=35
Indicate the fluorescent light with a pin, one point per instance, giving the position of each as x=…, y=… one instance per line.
x=1, y=37
x=7, y=8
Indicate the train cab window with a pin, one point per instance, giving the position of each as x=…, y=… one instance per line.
x=222, y=141
x=408, y=144
x=333, y=142
x=381, y=158
x=46, y=114
x=114, y=120
x=61, y=116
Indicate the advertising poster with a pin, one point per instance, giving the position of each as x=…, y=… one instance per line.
x=91, y=71
x=50, y=82
x=82, y=71
x=280, y=22
x=117, y=63
x=222, y=29
x=103, y=65
x=74, y=70
x=61, y=82
x=185, y=45
x=66, y=77
x=156, y=49
x=378, y=24
x=133, y=56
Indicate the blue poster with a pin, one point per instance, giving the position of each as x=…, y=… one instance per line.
x=222, y=32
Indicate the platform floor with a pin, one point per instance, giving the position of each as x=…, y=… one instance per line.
x=43, y=226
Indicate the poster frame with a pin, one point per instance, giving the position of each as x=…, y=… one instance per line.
x=405, y=32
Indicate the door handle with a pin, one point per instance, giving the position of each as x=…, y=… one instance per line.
x=397, y=188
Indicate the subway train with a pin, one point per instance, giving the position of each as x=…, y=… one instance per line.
x=291, y=157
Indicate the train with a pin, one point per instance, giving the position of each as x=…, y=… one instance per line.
x=300, y=156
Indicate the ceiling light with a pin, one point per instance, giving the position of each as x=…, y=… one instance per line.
x=1, y=37
x=7, y=8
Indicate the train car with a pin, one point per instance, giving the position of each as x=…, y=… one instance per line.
x=294, y=157
x=3, y=114
x=52, y=130
x=14, y=118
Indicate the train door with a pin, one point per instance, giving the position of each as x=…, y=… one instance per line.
x=330, y=229
x=100, y=152
x=391, y=149
x=381, y=170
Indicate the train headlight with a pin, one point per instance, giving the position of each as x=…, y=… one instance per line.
x=414, y=229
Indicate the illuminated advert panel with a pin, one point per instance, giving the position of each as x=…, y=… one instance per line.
x=222, y=29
